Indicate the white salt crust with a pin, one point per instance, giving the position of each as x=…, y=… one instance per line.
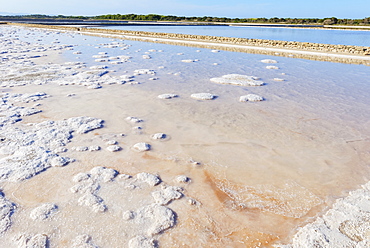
x=203, y=96
x=346, y=224
x=141, y=242
x=28, y=151
x=7, y=209
x=272, y=67
x=251, y=98
x=159, y=136
x=114, y=148
x=44, y=211
x=238, y=79
x=167, y=96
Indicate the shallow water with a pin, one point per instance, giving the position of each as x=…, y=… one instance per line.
x=265, y=168
x=341, y=37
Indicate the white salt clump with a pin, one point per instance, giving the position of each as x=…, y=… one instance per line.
x=98, y=67
x=94, y=148
x=272, y=67
x=128, y=215
x=133, y=119
x=158, y=136
x=144, y=71
x=114, y=148
x=93, y=201
x=44, y=211
x=167, y=194
x=80, y=148
x=203, y=96
x=141, y=242
x=141, y=147
x=250, y=98
x=32, y=241
x=153, y=78
x=167, y=96
x=111, y=142
x=279, y=79
x=6, y=211
x=83, y=241
x=101, y=60
x=145, y=56
x=215, y=51
x=156, y=218
x=238, y=79
x=269, y=61
x=148, y=178
x=94, y=86
x=100, y=56
x=182, y=179
x=102, y=53
x=180, y=54
x=60, y=150
x=187, y=60
x=58, y=161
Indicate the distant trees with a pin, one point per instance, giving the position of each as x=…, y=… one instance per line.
x=172, y=18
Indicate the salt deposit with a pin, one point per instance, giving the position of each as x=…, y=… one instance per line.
x=145, y=56
x=239, y=80
x=148, y=178
x=279, y=79
x=32, y=241
x=142, y=242
x=347, y=224
x=114, y=148
x=269, y=61
x=251, y=98
x=203, y=96
x=167, y=96
x=37, y=142
x=182, y=179
x=44, y=211
x=144, y=71
x=83, y=241
x=187, y=60
x=141, y=147
x=272, y=67
x=133, y=119
x=159, y=136
x=7, y=209
x=167, y=194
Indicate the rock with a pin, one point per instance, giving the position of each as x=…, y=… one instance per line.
x=44, y=211
x=203, y=96
x=250, y=98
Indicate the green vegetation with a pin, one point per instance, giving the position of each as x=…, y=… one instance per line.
x=155, y=17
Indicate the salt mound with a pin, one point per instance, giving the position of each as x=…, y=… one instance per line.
x=203, y=96
x=182, y=179
x=238, y=79
x=141, y=242
x=279, y=79
x=114, y=148
x=83, y=241
x=272, y=67
x=133, y=119
x=141, y=147
x=167, y=194
x=250, y=98
x=32, y=241
x=144, y=71
x=269, y=61
x=158, y=136
x=167, y=96
x=148, y=178
x=44, y=211
x=187, y=60
x=347, y=224
x=6, y=211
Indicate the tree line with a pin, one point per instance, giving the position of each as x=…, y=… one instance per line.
x=155, y=17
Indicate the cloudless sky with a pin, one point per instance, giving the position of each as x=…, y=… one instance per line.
x=230, y=8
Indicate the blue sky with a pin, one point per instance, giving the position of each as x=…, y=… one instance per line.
x=231, y=8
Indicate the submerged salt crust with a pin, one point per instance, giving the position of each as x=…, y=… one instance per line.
x=298, y=148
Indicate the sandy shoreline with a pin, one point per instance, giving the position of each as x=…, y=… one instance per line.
x=183, y=192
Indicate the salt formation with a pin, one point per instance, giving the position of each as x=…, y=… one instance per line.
x=148, y=178
x=269, y=61
x=44, y=211
x=29, y=149
x=88, y=184
x=83, y=241
x=187, y=60
x=141, y=242
x=158, y=136
x=167, y=194
x=347, y=224
x=6, y=211
x=167, y=96
x=272, y=67
x=238, y=79
x=144, y=71
x=114, y=148
x=182, y=179
x=32, y=241
x=279, y=79
x=133, y=119
x=203, y=96
x=250, y=98
x=141, y=147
